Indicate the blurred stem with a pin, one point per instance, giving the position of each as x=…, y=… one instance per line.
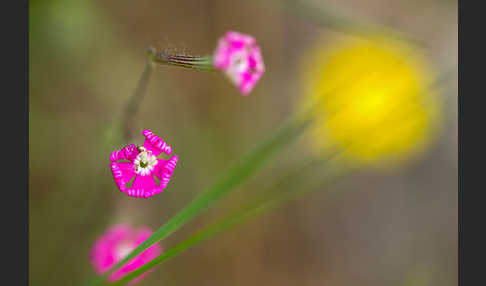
x=235, y=176
x=133, y=105
x=134, y=102
x=289, y=187
x=336, y=20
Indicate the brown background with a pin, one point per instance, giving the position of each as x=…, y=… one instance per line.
x=381, y=228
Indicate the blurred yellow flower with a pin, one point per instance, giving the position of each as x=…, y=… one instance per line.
x=372, y=97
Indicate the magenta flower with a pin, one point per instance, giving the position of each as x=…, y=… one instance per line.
x=143, y=164
x=118, y=242
x=239, y=57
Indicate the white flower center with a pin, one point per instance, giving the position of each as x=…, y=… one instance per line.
x=238, y=65
x=240, y=62
x=123, y=250
x=145, y=162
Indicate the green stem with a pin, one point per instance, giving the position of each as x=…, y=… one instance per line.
x=133, y=105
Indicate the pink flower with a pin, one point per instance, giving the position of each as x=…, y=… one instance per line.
x=143, y=164
x=239, y=56
x=118, y=242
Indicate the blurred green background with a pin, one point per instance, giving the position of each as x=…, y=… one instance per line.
x=380, y=228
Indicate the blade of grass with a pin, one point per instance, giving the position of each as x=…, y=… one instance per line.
x=299, y=182
x=236, y=175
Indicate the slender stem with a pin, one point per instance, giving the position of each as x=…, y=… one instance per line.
x=134, y=102
x=133, y=105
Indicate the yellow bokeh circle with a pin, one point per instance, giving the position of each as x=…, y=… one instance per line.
x=372, y=97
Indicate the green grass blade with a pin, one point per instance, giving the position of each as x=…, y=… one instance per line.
x=300, y=182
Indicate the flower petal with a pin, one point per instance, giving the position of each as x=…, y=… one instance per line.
x=147, y=255
x=143, y=186
x=103, y=253
x=239, y=57
x=122, y=173
x=155, y=144
x=164, y=173
x=128, y=152
x=159, y=167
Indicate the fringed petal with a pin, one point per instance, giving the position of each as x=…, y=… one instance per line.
x=128, y=152
x=143, y=187
x=155, y=144
x=166, y=171
x=122, y=173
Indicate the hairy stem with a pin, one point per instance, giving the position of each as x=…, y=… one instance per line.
x=134, y=102
x=192, y=62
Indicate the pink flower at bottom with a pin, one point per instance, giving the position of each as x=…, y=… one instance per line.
x=239, y=57
x=142, y=163
x=116, y=243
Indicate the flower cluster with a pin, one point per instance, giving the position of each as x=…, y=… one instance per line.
x=115, y=244
x=142, y=163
